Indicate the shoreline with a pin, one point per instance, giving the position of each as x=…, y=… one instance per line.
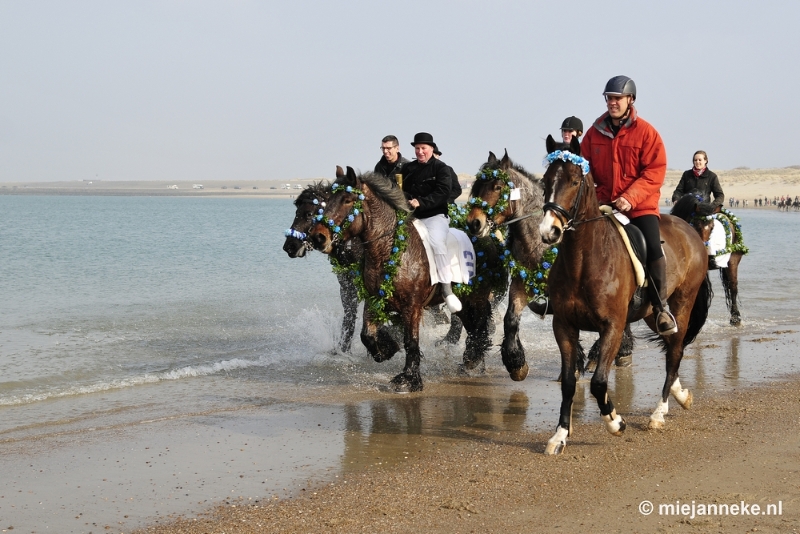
x=744, y=184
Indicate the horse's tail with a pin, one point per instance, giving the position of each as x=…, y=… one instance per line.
x=699, y=314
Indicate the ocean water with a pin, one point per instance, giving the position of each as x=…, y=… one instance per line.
x=120, y=311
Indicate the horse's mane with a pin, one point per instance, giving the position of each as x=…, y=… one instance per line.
x=314, y=191
x=385, y=189
x=687, y=207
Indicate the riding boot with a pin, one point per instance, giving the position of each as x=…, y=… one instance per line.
x=453, y=304
x=665, y=322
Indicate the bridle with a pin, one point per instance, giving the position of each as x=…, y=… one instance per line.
x=304, y=237
x=569, y=216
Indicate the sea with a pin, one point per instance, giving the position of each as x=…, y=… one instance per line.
x=125, y=319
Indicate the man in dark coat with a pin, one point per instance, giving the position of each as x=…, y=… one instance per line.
x=700, y=181
x=392, y=161
x=427, y=183
x=455, y=185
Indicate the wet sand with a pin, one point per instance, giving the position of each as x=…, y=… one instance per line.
x=463, y=455
x=740, y=448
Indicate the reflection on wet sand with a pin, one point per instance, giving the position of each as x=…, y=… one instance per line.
x=732, y=361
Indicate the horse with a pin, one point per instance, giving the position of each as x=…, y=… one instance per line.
x=701, y=216
x=297, y=244
x=592, y=285
x=491, y=207
x=396, y=272
x=346, y=258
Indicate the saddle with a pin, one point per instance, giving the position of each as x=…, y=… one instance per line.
x=460, y=252
x=634, y=244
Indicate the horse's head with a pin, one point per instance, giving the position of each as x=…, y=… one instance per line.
x=307, y=205
x=489, y=197
x=697, y=213
x=342, y=217
x=567, y=186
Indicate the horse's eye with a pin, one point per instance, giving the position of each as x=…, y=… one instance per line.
x=575, y=183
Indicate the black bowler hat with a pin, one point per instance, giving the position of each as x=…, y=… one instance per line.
x=424, y=138
x=437, y=151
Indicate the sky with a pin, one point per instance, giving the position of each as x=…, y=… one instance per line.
x=201, y=90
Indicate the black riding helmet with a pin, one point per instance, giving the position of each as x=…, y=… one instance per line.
x=620, y=85
x=572, y=123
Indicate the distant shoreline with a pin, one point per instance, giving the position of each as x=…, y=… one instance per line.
x=742, y=183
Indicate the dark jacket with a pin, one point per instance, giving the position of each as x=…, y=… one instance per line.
x=430, y=183
x=455, y=187
x=390, y=169
x=705, y=184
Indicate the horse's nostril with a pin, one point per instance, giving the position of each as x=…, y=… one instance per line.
x=474, y=226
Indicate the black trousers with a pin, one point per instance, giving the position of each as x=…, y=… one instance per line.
x=648, y=224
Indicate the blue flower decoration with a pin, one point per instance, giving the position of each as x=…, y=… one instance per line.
x=546, y=264
x=480, y=253
x=382, y=293
x=338, y=229
x=361, y=197
x=539, y=276
x=494, y=172
x=351, y=218
x=401, y=238
x=473, y=239
x=356, y=212
x=316, y=201
x=491, y=210
x=348, y=189
x=523, y=274
x=391, y=262
x=400, y=222
x=394, y=250
x=386, y=277
x=512, y=264
x=330, y=222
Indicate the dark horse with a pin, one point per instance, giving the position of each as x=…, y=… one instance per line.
x=521, y=213
x=701, y=215
x=592, y=285
x=297, y=244
x=347, y=257
x=381, y=221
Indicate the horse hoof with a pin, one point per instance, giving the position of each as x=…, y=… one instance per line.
x=655, y=425
x=404, y=384
x=470, y=368
x=591, y=366
x=688, y=402
x=518, y=375
x=380, y=358
x=623, y=361
x=736, y=321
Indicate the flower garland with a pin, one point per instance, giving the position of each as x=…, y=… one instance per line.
x=483, y=271
x=291, y=232
x=535, y=280
x=567, y=156
x=726, y=218
x=338, y=229
x=377, y=303
x=502, y=203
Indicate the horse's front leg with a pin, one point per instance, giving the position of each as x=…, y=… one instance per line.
x=410, y=379
x=511, y=350
x=349, y=296
x=476, y=315
x=567, y=339
x=609, y=342
x=376, y=338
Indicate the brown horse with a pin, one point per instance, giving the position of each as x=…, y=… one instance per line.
x=396, y=272
x=491, y=209
x=701, y=216
x=592, y=285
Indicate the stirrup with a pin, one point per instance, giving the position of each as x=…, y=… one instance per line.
x=453, y=304
x=665, y=323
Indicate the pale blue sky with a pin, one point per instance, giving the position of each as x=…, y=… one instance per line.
x=198, y=90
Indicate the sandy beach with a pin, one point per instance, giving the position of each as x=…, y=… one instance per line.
x=738, y=448
x=740, y=183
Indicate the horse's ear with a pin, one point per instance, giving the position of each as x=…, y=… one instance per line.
x=550, y=144
x=352, y=178
x=575, y=146
x=339, y=172
x=492, y=158
x=505, y=163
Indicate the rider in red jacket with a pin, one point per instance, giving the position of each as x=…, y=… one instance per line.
x=629, y=164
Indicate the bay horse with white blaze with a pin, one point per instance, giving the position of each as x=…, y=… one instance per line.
x=592, y=285
x=396, y=272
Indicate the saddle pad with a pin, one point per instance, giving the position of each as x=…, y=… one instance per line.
x=718, y=241
x=638, y=269
x=460, y=252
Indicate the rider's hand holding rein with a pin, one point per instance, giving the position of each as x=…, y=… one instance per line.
x=414, y=203
x=622, y=204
